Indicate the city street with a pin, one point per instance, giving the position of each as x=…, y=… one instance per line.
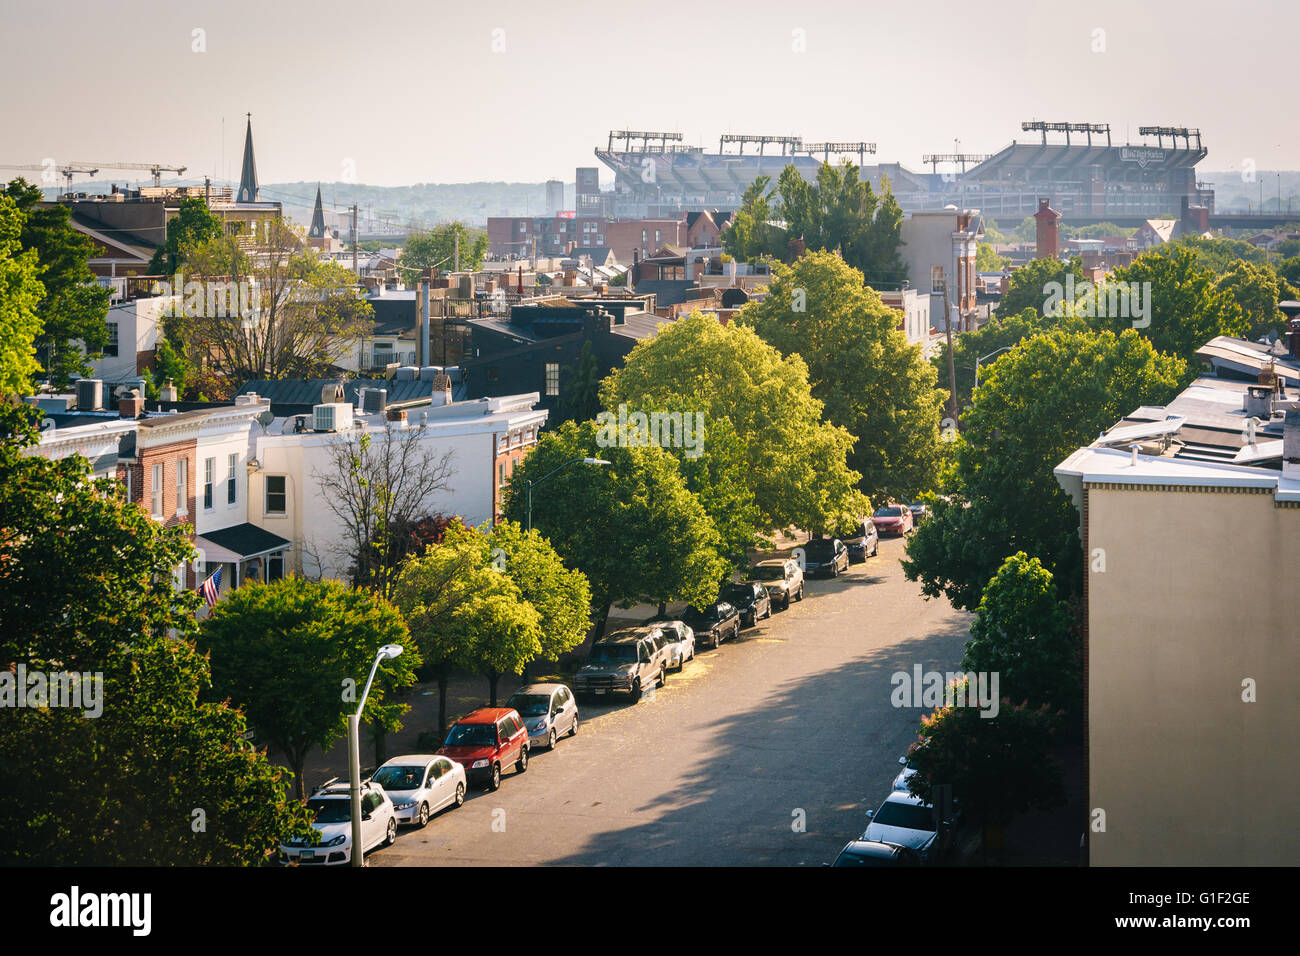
x=767, y=751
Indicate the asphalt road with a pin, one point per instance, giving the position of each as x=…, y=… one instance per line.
x=767, y=751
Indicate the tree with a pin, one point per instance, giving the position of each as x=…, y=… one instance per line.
x=171, y=366
x=192, y=225
x=561, y=595
x=74, y=306
x=631, y=527
x=1036, y=404
x=794, y=463
x=436, y=249
x=1002, y=331
x=86, y=587
x=751, y=236
x=1257, y=290
x=1186, y=308
x=1026, y=230
x=872, y=383
x=20, y=295
x=997, y=767
x=378, y=485
x=987, y=260
x=306, y=313
x=1023, y=632
x=1030, y=286
x=295, y=655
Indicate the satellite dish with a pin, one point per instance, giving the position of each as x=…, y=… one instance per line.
x=1272, y=336
x=47, y=424
x=265, y=418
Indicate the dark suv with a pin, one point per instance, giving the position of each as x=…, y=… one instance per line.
x=626, y=661
x=486, y=741
x=713, y=623
x=750, y=599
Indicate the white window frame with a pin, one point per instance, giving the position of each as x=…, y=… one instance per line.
x=182, y=486
x=232, y=480
x=209, y=484
x=156, y=491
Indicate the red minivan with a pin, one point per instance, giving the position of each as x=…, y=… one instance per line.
x=486, y=741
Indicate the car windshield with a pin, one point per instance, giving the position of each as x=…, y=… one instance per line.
x=818, y=547
x=695, y=614
x=611, y=653
x=399, y=778
x=769, y=572
x=472, y=735
x=888, y=511
x=906, y=815
x=530, y=705
x=337, y=810
x=852, y=531
x=857, y=858
x=739, y=593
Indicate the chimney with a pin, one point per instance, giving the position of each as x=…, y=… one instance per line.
x=1291, y=444
x=1046, y=245
x=168, y=392
x=131, y=405
x=441, y=390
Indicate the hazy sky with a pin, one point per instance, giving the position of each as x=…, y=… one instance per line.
x=414, y=92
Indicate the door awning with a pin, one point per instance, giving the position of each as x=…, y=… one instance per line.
x=239, y=543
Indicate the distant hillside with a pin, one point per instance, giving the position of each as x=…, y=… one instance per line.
x=1232, y=193
x=423, y=203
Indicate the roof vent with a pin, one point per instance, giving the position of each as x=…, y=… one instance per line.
x=331, y=394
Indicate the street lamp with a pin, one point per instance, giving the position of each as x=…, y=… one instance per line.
x=354, y=753
x=528, y=485
x=983, y=357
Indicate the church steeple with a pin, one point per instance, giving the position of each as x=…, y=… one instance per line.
x=317, y=230
x=248, y=175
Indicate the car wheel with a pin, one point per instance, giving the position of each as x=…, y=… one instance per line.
x=521, y=765
x=799, y=595
x=636, y=690
x=391, y=836
x=424, y=815
x=573, y=730
x=715, y=641
x=460, y=795
x=494, y=782
x=550, y=741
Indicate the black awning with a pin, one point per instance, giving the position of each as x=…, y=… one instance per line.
x=246, y=540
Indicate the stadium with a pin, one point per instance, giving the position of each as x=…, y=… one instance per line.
x=1086, y=176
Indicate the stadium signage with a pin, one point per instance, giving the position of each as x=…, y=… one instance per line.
x=1142, y=155
x=567, y=214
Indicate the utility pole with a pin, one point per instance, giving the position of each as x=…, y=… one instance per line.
x=355, y=270
x=207, y=191
x=455, y=233
x=952, y=367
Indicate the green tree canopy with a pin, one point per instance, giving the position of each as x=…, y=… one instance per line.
x=295, y=654
x=86, y=586
x=20, y=295
x=871, y=382
x=1031, y=285
x=436, y=248
x=193, y=225
x=74, y=306
x=795, y=464
x=1036, y=404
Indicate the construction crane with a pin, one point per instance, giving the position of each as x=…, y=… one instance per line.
x=156, y=169
x=67, y=171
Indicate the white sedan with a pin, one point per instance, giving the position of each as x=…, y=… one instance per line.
x=420, y=785
x=331, y=805
x=679, y=643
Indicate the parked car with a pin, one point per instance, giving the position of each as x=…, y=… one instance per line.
x=826, y=556
x=485, y=742
x=331, y=804
x=548, y=711
x=713, y=623
x=420, y=785
x=861, y=539
x=919, y=512
x=910, y=821
x=874, y=853
x=904, y=775
x=681, y=642
x=751, y=601
x=627, y=662
x=893, y=521
x=783, y=579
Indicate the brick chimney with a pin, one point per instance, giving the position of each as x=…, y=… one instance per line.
x=441, y=390
x=1047, y=243
x=131, y=405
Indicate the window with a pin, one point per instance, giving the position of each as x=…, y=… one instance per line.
x=645, y=236
x=156, y=490
x=182, y=486
x=231, y=487
x=552, y=378
x=659, y=235
x=501, y=476
x=110, y=347
x=276, y=495
x=209, y=470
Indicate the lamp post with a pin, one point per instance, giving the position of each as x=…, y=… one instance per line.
x=528, y=485
x=354, y=753
x=983, y=357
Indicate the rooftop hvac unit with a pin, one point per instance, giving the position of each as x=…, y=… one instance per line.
x=334, y=417
x=407, y=373
x=428, y=372
x=90, y=394
x=374, y=401
x=331, y=393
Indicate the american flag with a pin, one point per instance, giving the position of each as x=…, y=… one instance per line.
x=210, y=588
